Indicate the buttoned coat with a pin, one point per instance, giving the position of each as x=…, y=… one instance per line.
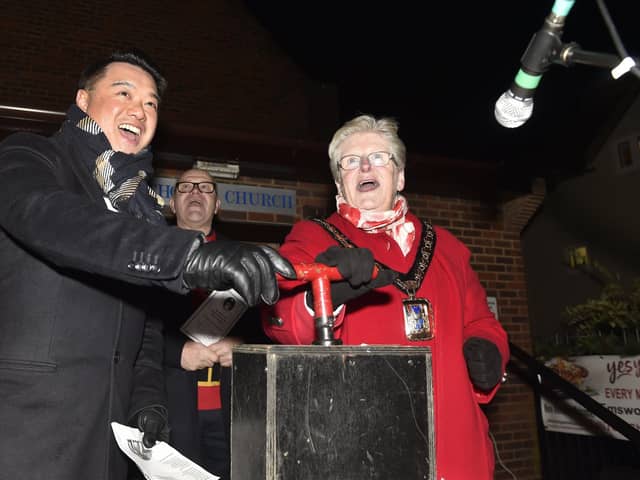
x=74, y=277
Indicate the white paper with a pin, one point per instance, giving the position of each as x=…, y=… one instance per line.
x=215, y=317
x=161, y=462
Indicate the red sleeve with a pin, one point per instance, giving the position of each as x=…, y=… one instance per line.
x=479, y=321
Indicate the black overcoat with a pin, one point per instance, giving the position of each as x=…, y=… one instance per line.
x=73, y=279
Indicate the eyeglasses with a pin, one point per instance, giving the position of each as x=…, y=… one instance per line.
x=203, y=187
x=376, y=159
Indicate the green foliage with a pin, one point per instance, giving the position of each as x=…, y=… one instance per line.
x=607, y=325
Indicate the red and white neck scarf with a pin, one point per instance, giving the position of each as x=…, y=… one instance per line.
x=392, y=222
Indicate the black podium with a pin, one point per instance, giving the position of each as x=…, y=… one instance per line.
x=331, y=412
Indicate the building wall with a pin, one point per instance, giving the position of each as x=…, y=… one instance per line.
x=226, y=73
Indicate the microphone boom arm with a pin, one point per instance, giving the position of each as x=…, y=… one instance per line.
x=571, y=54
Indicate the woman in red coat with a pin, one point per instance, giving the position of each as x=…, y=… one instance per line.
x=425, y=295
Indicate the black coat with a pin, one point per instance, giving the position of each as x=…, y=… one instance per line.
x=71, y=312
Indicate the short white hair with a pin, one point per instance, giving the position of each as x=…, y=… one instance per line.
x=385, y=127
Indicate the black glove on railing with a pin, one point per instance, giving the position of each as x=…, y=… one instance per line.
x=484, y=362
x=356, y=267
x=153, y=422
x=249, y=269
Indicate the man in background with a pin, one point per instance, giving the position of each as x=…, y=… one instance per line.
x=198, y=376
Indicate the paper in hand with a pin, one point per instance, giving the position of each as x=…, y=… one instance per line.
x=159, y=462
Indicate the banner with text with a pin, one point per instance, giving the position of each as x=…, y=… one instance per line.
x=245, y=198
x=611, y=380
x=240, y=198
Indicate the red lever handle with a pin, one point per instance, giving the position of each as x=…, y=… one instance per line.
x=312, y=271
x=320, y=276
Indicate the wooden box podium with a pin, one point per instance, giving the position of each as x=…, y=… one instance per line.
x=331, y=413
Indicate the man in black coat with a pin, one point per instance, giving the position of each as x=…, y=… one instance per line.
x=198, y=375
x=82, y=242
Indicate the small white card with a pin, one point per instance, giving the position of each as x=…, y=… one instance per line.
x=215, y=317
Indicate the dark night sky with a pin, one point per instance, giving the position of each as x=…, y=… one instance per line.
x=438, y=69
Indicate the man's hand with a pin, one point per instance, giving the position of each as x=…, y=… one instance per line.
x=356, y=267
x=153, y=422
x=196, y=356
x=249, y=269
x=224, y=349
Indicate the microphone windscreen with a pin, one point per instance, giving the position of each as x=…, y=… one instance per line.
x=511, y=111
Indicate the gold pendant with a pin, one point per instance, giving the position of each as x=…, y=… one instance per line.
x=418, y=319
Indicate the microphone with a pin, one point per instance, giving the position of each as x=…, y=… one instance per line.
x=515, y=106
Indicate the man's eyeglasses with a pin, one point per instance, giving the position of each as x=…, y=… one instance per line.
x=376, y=159
x=203, y=187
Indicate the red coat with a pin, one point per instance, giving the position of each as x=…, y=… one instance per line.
x=463, y=447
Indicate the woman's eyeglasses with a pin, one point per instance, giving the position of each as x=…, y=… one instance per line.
x=375, y=159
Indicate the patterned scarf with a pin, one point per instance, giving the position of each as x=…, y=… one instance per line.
x=122, y=176
x=392, y=222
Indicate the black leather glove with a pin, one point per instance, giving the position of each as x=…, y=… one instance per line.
x=484, y=362
x=249, y=269
x=153, y=422
x=356, y=267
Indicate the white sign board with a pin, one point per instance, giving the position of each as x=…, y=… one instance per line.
x=611, y=380
x=245, y=198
